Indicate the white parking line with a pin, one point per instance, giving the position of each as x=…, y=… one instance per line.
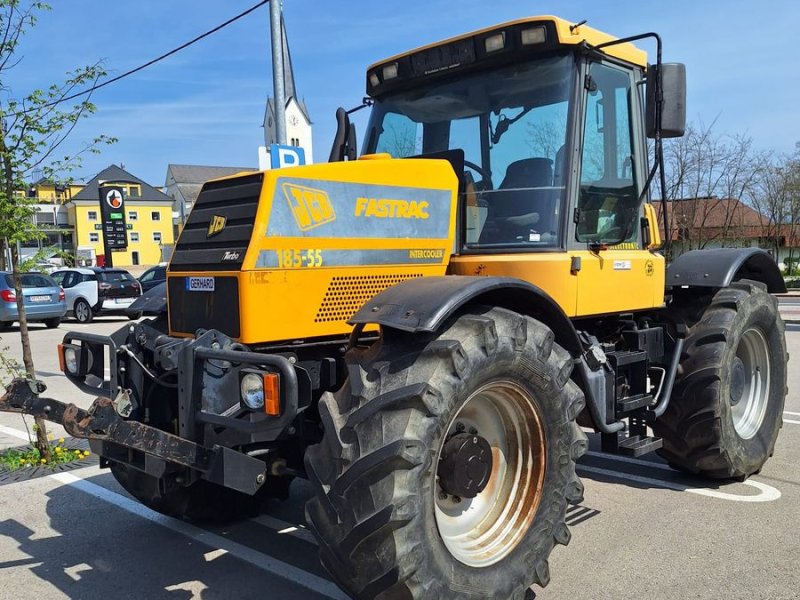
x=14, y=433
x=794, y=414
x=242, y=552
x=767, y=493
x=791, y=421
x=283, y=527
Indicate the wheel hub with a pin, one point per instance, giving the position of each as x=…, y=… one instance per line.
x=465, y=465
x=738, y=381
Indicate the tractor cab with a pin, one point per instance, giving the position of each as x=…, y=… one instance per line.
x=547, y=116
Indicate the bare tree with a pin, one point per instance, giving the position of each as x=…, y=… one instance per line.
x=710, y=177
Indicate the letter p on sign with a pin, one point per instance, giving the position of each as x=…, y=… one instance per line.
x=286, y=156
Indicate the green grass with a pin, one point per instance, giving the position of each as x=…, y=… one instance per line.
x=15, y=458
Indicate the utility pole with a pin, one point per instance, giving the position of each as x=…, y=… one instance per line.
x=278, y=79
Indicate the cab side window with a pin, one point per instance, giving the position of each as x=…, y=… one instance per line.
x=608, y=207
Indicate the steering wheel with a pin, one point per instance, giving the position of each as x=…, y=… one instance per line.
x=486, y=176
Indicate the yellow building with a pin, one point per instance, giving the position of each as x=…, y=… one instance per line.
x=148, y=217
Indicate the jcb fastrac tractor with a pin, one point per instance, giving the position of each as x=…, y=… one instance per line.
x=424, y=331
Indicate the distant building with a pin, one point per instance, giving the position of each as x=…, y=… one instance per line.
x=148, y=217
x=183, y=184
x=298, y=122
x=697, y=223
x=51, y=216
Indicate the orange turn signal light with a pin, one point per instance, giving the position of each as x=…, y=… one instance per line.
x=272, y=394
x=61, y=358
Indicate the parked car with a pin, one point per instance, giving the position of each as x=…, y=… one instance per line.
x=93, y=290
x=153, y=276
x=44, y=299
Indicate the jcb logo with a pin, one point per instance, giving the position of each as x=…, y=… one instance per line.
x=310, y=207
x=216, y=225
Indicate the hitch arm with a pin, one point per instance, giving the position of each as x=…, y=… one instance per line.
x=101, y=422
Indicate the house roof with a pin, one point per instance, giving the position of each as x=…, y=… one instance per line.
x=199, y=174
x=713, y=217
x=189, y=179
x=116, y=174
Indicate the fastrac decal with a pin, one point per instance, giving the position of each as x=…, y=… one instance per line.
x=384, y=208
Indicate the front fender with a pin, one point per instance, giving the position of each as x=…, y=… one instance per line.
x=422, y=305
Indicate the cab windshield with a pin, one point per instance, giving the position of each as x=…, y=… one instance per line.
x=512, y=125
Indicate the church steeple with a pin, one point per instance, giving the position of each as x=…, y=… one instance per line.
x=298, y=122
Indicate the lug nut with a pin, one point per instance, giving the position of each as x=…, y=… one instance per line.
x=460, y=427
x=442, y=496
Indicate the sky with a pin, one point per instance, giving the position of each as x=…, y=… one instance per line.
x=205, y=105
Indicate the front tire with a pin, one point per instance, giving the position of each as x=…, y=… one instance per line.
x=727, y=405
x=385, y=514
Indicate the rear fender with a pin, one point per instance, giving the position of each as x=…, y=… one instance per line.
x=719, y=267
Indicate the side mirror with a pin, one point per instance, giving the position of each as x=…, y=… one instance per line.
x=671, y=79
x=344, y=142
x=339, y=149
x=351, y=149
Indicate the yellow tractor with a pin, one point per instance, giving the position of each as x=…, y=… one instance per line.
x=425, y=331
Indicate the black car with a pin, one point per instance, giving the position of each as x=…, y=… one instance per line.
x=152, y=277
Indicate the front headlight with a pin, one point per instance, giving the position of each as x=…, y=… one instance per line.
x=252, y=391
x=71, y=360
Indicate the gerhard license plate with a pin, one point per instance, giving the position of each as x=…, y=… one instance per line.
x=200, y=284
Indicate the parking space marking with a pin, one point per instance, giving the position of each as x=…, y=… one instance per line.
x=283, y=527
x=257, y=559
x=14, y=433
x=794, y=414
x=766, y=493
x=791, y=421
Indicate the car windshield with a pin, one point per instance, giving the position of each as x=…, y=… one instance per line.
x=511, y=124
x=115, y=276
x=31, y=280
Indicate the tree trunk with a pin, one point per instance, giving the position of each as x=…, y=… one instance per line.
x=27, y=356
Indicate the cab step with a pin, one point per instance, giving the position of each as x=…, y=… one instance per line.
x=634, y=445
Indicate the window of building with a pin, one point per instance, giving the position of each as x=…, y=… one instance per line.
x=133, y=215
x=94, y=237
x=134, y=236
x=157, y=236
x=92, y=215
x=155, y=215
x=134, y=191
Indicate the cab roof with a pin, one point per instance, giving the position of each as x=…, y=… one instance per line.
x=568, y=33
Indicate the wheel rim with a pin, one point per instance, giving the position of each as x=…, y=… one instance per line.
x=481, y=531
x=81, y=312
x=749, y=393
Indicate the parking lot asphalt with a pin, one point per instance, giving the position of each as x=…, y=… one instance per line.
x=643, y=530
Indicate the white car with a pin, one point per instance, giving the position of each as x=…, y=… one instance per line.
x=93, y=290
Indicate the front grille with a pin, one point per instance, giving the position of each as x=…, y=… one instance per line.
x=235, y=201
x=190, y=311
x=346, y=295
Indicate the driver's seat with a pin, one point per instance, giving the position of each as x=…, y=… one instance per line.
x=515, y=208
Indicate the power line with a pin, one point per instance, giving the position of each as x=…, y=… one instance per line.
x=150, y=62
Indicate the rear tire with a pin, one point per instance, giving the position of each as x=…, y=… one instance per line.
x=386, y=526
x=52, y=323
x=727, y=405
x=201, y=501
x=83, y=312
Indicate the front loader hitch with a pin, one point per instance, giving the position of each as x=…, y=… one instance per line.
x=102, y=423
